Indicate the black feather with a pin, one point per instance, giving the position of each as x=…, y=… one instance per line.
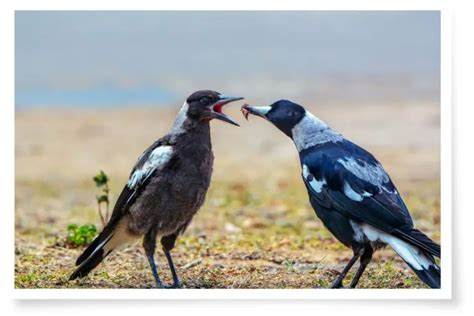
x=431, y=276
x=420, y=240
x=89, y=264
x=383, y=208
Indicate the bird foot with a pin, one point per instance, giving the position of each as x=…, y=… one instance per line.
x=175, y=285
x=337, y=285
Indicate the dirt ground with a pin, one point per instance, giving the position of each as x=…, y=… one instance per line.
x=256, y=230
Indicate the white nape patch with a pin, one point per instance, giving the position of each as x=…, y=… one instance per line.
x=353, y=195
x=367, y=172
x=157, y=158
x=178, y=124
x=315, y=184
x=312, y=131
x=409, y=253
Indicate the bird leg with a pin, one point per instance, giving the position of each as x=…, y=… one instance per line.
x=149, y=243
x=338, y=283
x=151, y=260
x=176, y=283
x=364, y=261
x=168, y=243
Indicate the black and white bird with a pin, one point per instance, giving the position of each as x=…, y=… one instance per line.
x=352, y=194
x=166, y=187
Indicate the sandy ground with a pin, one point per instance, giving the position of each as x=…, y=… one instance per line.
x=256, y=230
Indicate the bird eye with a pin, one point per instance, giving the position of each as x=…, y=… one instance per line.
x=205, y=100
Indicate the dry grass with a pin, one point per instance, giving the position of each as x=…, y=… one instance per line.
x=256, y=229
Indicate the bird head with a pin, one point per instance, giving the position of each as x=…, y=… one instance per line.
x=205, y=105
x=283, y=114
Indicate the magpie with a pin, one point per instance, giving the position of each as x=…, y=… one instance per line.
x=352, y=194
x=166, y=187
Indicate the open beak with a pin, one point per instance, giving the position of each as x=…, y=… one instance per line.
x=217, y=109
x=255, y=110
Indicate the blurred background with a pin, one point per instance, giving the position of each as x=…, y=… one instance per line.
x=94, y=89
x=149, y=58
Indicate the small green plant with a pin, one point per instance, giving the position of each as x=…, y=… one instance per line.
x=80, y=235
x=102, y=181
x=83, y=235
x=289, y=265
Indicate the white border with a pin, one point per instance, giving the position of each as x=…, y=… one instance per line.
x=286, y=294
x=231, y=294
x=446, y=151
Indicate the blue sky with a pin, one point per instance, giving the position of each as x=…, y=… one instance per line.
x=107, y=58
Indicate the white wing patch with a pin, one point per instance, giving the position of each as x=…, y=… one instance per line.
x=315, y=184
x=367, y=172
x=353, y=195
x=350, y=193
x=158, y=157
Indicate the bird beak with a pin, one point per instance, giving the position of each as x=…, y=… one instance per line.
x=255, y=110
x=217, y=109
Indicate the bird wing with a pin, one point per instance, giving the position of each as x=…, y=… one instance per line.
x=349, y=180
x=148, y=163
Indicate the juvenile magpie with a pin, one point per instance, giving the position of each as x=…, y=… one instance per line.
x=166, y=187
x=352, y=194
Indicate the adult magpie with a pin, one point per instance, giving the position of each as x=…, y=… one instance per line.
x=166, y=187
x=352, y=194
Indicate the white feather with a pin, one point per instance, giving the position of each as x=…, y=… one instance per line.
x=358, y=233
x=409, y=253
x=353, y=195
x=178, y=125
x=364, y=171
x=311, y=131
x=350, y=193
x=157, y=158
x=315, y=184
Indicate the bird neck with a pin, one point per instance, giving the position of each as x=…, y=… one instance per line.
x=178, y=126
x=197, y=127
x=312, y=131
x=184, y=125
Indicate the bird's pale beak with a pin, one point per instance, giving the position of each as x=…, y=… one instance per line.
x=261, y=111
x=217, y=109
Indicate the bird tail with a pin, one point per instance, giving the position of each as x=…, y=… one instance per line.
x=417, y=238
x=114, y=235
x=431, y=275
x=419, y=254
